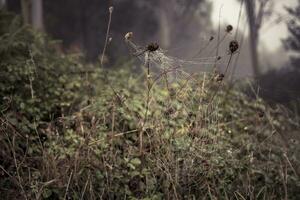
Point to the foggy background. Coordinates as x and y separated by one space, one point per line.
182 28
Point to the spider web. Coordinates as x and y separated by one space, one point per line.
171 68
181 71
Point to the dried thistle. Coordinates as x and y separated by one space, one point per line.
260 114
128 36
169 111
149 48
233 46
152 47
220 77
111 9
229 28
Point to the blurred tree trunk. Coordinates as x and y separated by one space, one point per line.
2 3
164 30
256 14
164 25
292 43
25 10
37 14
253 32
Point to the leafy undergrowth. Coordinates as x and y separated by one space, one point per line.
102 135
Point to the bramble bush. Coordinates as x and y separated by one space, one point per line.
72 135
36 80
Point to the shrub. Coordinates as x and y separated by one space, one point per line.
37 82
129 142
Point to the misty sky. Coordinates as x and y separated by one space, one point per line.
270 36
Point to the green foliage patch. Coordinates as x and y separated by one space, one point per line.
37 81
72 135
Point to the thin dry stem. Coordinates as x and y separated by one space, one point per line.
107 35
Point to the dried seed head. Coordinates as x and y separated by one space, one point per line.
152 47
191 115
172 92
169 111
233 46
229 28
128 35
260 114
111 9
220 77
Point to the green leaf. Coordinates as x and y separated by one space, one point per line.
47 193
136 161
